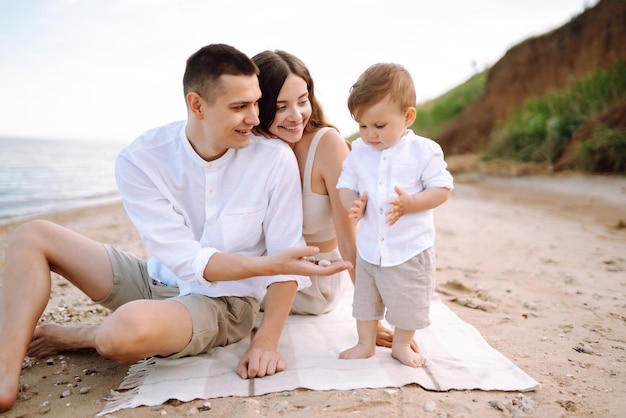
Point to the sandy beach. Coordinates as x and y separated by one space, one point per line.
536 263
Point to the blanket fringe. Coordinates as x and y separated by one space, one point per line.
129 388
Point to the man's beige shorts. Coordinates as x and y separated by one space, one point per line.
405 290
216 321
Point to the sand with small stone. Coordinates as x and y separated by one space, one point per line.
537 263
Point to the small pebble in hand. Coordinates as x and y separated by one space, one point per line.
323 263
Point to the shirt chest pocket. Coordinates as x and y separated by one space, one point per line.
406 177
242 229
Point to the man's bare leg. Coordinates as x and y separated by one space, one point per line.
34 250
50 339
402 351
144 328
366 346
126 336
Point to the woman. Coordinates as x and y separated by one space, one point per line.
289 110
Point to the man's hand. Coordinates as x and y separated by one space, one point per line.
258 362
293 261
262 358
358 208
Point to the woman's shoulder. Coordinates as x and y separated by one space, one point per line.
332 140
332 150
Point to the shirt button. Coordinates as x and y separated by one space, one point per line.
384 157
382 239
380 183
210 190
380 211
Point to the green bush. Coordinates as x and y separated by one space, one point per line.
605 151
541 129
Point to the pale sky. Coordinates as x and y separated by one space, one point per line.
111 69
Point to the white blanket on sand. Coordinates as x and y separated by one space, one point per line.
457 357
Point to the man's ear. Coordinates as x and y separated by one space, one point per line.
195 103
409 116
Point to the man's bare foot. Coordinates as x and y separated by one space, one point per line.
407 356
10 370
358 351
8 393
49 339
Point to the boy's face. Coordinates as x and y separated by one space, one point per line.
382 124
230 119
293 110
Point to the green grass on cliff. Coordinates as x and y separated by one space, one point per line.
434 115
542 128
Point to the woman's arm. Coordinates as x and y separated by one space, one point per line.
332 151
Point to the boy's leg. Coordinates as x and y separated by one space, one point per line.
34 250
368 309
366 346
402 351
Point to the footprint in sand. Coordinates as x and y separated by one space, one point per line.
462 295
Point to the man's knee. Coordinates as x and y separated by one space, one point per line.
30 234
120 334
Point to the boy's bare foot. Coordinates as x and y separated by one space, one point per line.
358 351
49 339
407 356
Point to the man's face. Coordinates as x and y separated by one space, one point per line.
230 119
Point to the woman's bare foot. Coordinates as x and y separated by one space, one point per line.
49 339
358 351
407 356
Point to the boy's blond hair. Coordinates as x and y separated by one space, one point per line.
378 82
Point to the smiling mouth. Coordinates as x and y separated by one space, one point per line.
291 128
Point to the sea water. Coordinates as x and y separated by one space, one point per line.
44 176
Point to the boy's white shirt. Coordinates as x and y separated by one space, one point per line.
413 164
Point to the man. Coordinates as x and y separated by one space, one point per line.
219 209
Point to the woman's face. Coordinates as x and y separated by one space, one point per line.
293 110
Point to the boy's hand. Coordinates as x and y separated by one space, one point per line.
358 208
399 206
